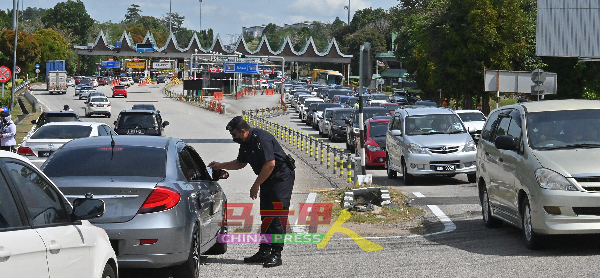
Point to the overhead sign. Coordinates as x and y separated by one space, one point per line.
144 47
213 69
109 64
240 68
4 74
118 45
136 65
159 65
268 71
17 69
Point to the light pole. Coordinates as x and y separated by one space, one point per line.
170 17
200 16
345 7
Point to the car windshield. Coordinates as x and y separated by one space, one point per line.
62 132
564 129
136 120
66 117
471 117
378 129
433 124
307 103
400 93
379 97
370 113
107 161
342 115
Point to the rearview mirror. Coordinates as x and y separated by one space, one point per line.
165 123
219 174
471 129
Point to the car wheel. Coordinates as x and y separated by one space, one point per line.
533 241
108 115
219 248
407 178
391 174
191 267
88 115
488 220
320 132
108 272
472 178
125 96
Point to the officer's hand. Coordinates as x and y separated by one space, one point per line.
214 165
254 191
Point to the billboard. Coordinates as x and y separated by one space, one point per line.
161 65
506 81
136 65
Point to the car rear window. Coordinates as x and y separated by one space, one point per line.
120 87
472 117
107 161
139 120
61 118
62 132
99 99
378 129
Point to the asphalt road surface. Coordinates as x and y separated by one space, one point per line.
455 243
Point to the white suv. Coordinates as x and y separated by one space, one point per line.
429 141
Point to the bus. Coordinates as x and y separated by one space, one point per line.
329 77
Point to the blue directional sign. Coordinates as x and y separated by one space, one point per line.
240 68
118 45
144 47
111 64
37 66
123 74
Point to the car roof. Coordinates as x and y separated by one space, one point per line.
139 111
121 140
426 110
468 111
75 123
559 105
379 119
343 109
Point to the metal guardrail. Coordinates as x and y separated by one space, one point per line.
203 102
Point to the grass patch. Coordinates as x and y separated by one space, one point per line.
388 215
25 125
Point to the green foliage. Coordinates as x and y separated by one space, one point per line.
27 46
52 47
5 19
133 14
72 17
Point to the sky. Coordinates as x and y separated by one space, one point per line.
225 17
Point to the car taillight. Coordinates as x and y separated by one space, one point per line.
91 104
161 198
108 105
26 151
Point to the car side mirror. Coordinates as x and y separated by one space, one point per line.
219 174
471 130
396 132
505 142
84 208
115 123
165 123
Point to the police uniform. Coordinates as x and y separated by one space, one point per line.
260 147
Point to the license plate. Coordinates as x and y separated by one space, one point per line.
445 167
100 105
135 131
44 153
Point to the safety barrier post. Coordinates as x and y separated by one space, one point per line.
296 139
316 149
350 168
335 150
321 146
301 142
307 146
311 146
328 159
342 163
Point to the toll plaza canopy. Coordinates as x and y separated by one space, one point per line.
308 53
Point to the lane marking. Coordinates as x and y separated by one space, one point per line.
418 194
302 229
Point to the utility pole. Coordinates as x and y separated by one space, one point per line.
14 75
170 17
200 16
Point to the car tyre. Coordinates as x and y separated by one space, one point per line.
407 178
533 241
486 211
88 115
191 267
108 272
472 178
108 115
391 174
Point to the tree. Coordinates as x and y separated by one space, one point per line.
5 19
205 37
27 49
356 40
71 16
133 14
176 21
337 23
52 46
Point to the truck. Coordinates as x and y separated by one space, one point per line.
56 76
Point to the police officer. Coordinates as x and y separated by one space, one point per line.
275 181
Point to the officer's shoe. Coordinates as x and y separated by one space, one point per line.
260 257
274 259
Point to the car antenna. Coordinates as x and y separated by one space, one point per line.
112 145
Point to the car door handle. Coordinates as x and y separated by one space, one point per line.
4 254
54 247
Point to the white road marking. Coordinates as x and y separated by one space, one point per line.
302 229
418 194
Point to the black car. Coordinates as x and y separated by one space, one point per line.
143 107
140 122
337 128
352 132
55 116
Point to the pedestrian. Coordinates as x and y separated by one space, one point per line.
445 103
275 181
67 108
9 130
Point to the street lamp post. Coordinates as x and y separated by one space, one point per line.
346 8
200 16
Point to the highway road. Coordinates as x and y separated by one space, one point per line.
455 242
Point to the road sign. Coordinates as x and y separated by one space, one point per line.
118 45
240 68
37 70
161 60
538 76
135 59
111 59
4 74
17 70
158 65
37 66
144 47
213 69
268 71
282 80
109 64
191 77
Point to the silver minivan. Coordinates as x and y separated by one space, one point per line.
537 168
428 141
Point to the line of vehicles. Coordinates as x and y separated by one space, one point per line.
106 198
532 162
